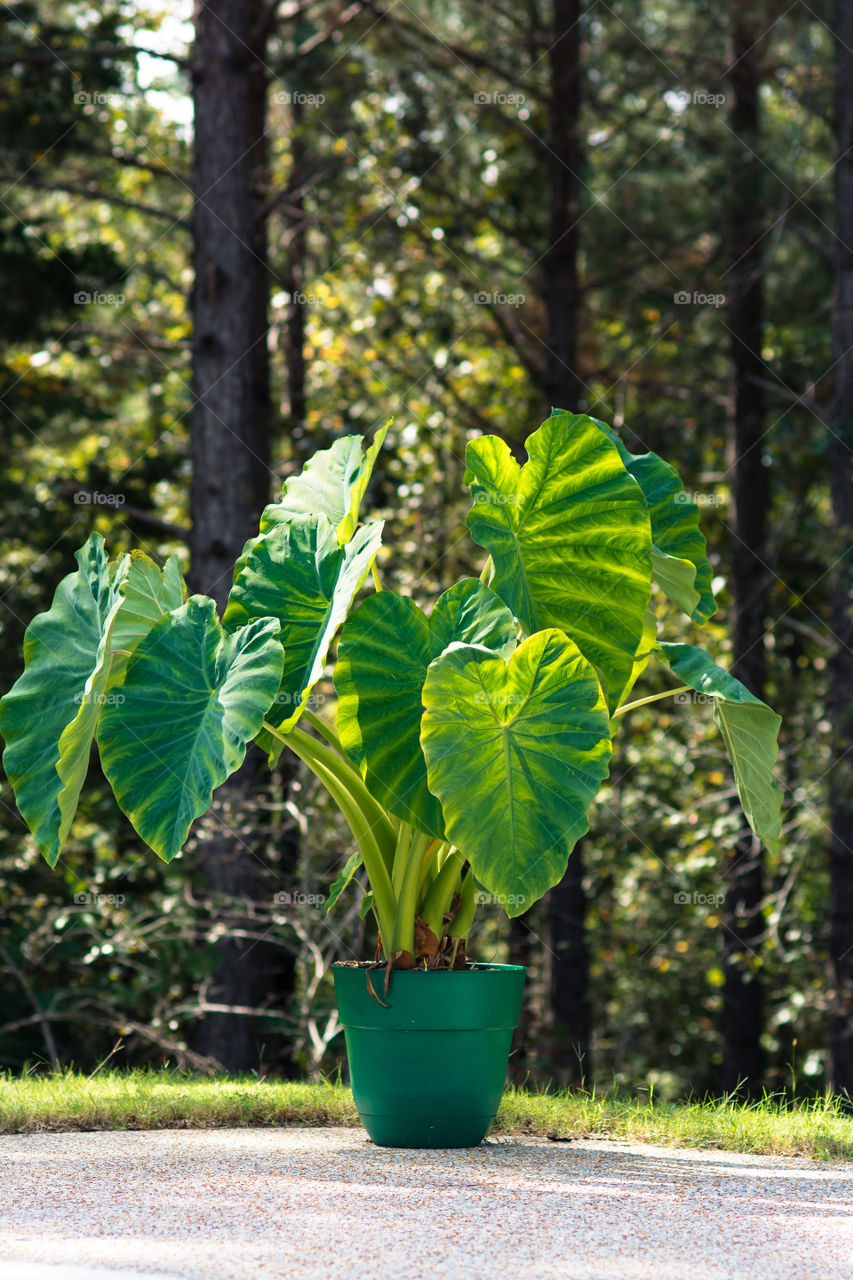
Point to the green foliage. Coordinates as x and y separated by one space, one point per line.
382 665
476 757
516 752
680 563
298 573
192 698
49 716
569 538
750 730
332 484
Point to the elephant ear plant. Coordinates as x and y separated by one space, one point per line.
469 742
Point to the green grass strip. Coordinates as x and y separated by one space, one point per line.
818 1128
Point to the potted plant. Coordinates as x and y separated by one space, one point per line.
468 745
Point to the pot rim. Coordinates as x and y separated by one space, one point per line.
477 967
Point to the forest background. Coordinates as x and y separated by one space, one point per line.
230 235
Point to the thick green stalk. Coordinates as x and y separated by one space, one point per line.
407 902
431 864
304 746
401 858
464 918
324 729
352 780
440 897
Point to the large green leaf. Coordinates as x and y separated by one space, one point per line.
48 717
331 483
149 592
750 729
193 697
570 539
385 650
516 753
299 574
680 563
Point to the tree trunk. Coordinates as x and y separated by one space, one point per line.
563 160
294 279
566 903
569 976
230 429
742 995
841 663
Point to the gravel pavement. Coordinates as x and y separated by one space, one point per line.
307 1204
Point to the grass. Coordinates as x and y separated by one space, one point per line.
170 1100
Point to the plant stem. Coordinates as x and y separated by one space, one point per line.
438 900
314 756
431 864
464 918
325 730
351 780
653 697
407 901
401 856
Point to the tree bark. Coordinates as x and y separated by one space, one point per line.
840 456
294 280
569 975
230 428
563 160
744 874
569 1015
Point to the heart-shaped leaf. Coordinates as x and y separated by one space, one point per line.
570 539
750 731
299 574
193 697
385 650
49 716
516 753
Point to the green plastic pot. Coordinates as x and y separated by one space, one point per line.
429 1070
